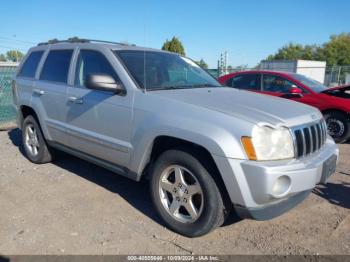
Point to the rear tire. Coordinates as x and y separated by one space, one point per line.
338 126
35 146
185 195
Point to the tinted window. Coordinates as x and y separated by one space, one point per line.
277 84
30 65
247 81
56 66
92 62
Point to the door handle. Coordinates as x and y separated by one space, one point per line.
38 92
75 100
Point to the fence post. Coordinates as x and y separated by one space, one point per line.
338 78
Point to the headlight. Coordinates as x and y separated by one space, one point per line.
269 143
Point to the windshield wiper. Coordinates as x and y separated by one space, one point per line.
165 88
181 87
203 85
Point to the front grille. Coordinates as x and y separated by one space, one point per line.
309 138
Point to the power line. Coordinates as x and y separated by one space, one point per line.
17 40
8 42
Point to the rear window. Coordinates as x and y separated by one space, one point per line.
56 66
31 64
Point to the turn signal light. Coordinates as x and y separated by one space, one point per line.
248 147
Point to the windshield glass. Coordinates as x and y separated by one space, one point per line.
312 84
159 71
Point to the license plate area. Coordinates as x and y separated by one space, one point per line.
328 168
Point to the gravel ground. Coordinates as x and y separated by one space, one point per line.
74 207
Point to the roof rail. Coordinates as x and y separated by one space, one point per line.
80 40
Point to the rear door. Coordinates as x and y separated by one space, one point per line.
98 122
25 79
50 92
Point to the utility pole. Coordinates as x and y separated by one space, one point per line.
222 64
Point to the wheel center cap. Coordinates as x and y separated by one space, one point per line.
182 190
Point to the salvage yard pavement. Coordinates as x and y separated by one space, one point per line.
73 207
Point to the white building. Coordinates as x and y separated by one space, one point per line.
313 69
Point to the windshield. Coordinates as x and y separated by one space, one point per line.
159 70
310 83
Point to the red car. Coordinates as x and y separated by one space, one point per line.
334 103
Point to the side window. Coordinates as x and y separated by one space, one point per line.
276 84
92 62
247 81
56 66
31 64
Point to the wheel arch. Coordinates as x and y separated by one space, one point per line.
164 143
26 111
331 110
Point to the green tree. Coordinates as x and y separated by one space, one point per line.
14 55
295 52
2 58
174 45
202 64
337 50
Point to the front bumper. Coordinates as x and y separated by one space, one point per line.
265 189
273 210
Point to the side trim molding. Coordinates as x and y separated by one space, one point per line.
97 161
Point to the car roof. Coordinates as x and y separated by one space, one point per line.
92 44
265 71
280 73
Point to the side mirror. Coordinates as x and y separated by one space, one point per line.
103 82
295 90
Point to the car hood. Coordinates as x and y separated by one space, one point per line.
340 88
246 105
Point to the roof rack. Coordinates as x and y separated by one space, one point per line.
80 40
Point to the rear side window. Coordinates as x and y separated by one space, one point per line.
56 66
92 62
31 64
247 81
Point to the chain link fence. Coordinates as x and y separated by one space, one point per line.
7 109
337 75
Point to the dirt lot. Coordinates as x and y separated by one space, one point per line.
74 207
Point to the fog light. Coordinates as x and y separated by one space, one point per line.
281 186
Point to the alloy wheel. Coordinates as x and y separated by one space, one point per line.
31 140
335 127
181 194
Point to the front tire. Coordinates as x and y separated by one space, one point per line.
37 151
338 126
185 195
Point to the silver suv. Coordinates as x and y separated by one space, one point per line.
207 150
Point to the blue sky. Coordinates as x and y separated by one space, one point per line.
249 30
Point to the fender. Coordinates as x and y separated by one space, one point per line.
215 139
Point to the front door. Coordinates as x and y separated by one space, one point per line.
98 122
280 86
